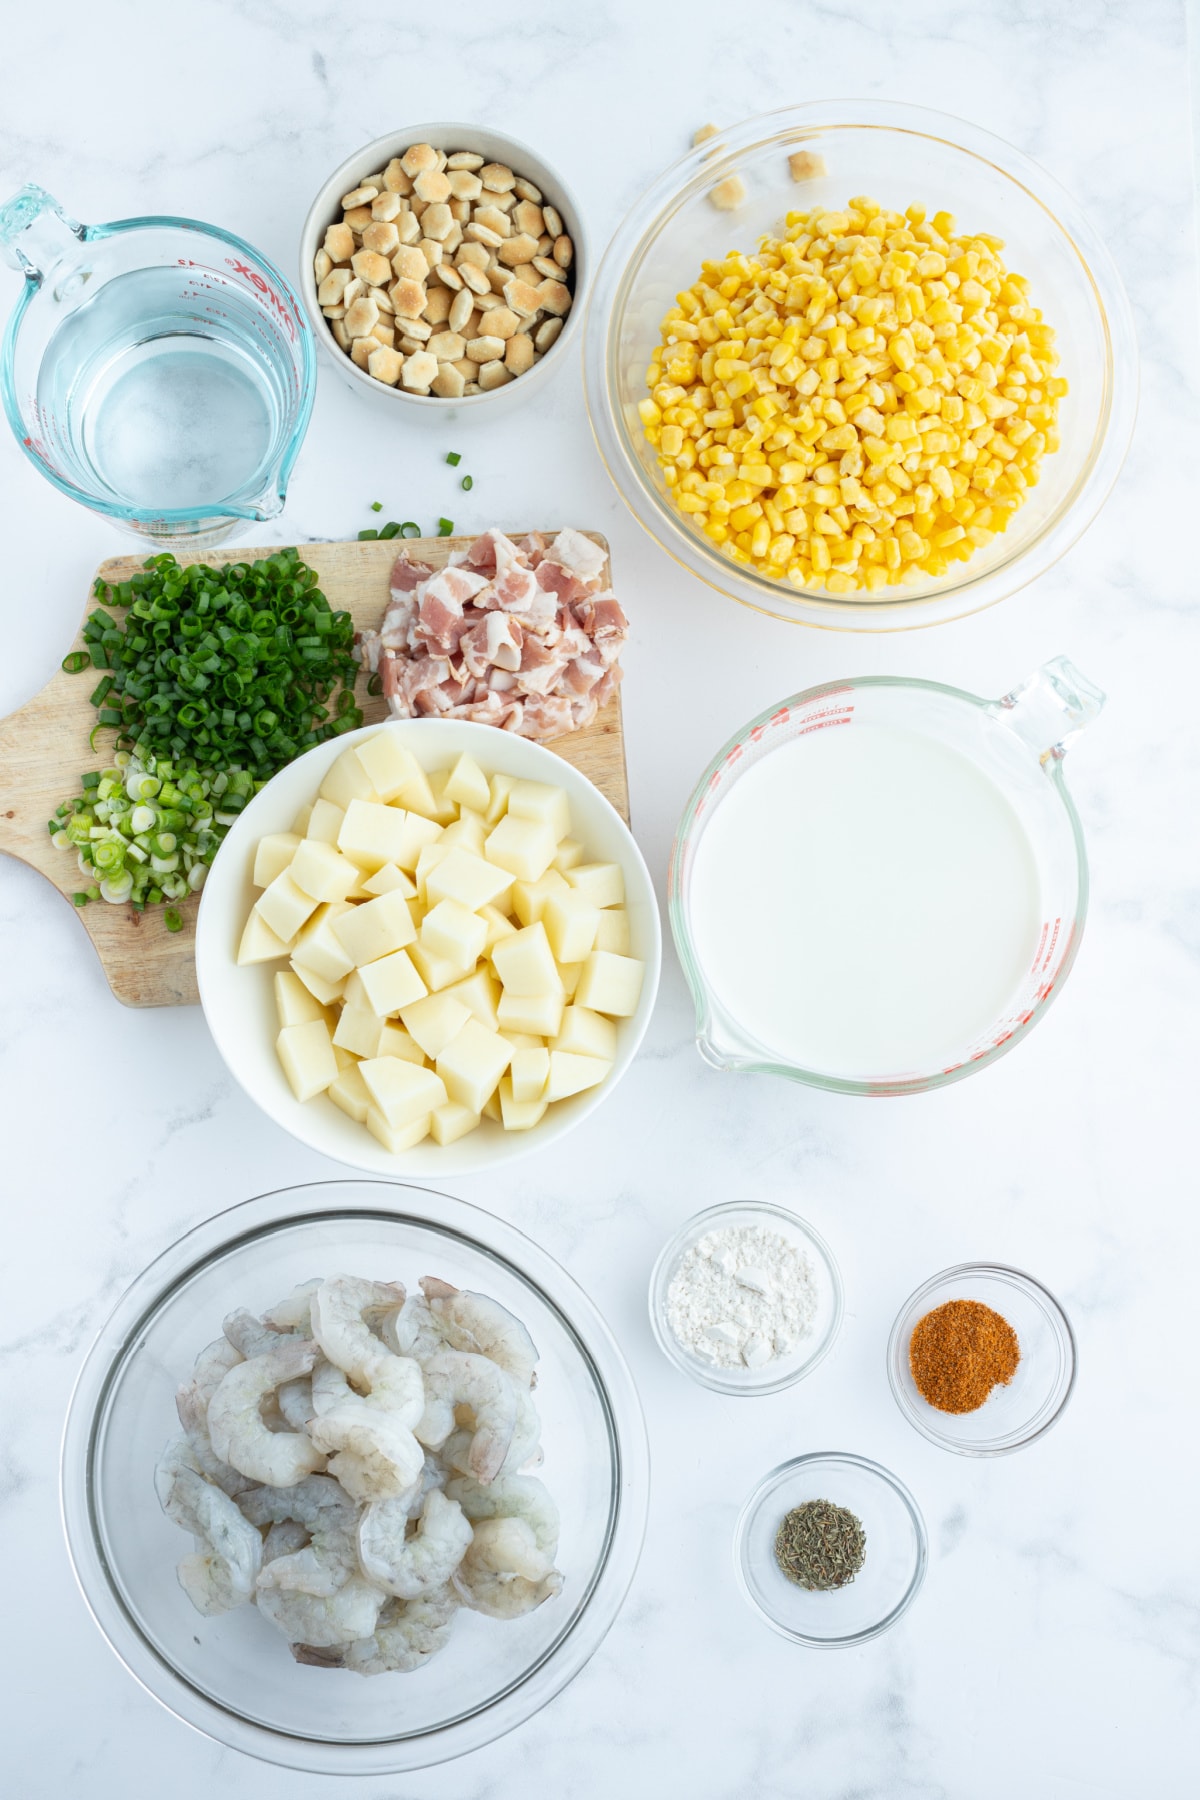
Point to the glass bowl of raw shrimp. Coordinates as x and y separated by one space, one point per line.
232 1676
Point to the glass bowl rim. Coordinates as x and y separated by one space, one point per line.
1057 1316
877 1472
836 1084
717 1380
109 1351
958 598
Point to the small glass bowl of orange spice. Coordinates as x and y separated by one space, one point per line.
981 1359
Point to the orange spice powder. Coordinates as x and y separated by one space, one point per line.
959 1352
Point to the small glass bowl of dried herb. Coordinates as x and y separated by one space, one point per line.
981 1359
830 1549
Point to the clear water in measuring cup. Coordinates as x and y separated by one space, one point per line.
164 400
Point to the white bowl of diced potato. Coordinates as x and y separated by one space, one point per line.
498 149
428 947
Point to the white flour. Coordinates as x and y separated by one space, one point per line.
741 1297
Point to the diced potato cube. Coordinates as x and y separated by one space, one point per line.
522 846
498 924
445 809
294 1005
469 880
529 897
480 994
525 962
306 1053
324 991
539 801
530 1073
396 1138
539 1014
568 974
401 1091
612 931
347 780
571 923
569 855
437 972
499 788
345 1059
434 1022
395 1041
418 796
452 1121
388 763
519 1115
525 1040
610 983
491 1107
468 785
349 1092
259 943
390 880
432 855
451 930
321 951
373 834
301 821
274 853
468 830
370 931
472 1064
324 821
586 1033
571 1074
284 907
601 883
391 983
359 1030
353 991
318 869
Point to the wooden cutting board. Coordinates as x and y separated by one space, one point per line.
44 751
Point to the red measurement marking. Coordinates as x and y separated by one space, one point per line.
281 307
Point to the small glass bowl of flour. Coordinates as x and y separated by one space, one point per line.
746 1298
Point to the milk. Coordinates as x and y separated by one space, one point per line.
864 902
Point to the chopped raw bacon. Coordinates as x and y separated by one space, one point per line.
515 635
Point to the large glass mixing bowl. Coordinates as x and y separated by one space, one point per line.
232 1677
899 155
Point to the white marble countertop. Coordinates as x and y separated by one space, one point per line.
1055 1649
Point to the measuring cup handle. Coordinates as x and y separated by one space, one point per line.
35 232
1051 707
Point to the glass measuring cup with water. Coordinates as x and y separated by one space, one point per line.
157 370
880 885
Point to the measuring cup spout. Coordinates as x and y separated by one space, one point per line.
36 235
1051 707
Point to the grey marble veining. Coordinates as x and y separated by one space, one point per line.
1054 1653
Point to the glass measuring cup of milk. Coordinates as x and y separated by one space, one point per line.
157 370
879 885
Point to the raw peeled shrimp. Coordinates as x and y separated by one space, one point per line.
236 1427
475 1322
327 1516
343 1311
374 1454
407 1634
294 1312
249 1335
410 1566
524 1447
221 1575
284 1538
460 1378
504 1573
323 1620
191 1403
413 1331
510 1497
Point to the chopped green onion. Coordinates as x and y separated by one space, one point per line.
453 458
80 899
410 529
390 530
75 661
91 780
377 506
375 685
467 483
172 919
445 528
368 535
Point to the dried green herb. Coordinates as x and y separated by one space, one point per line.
820 1546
